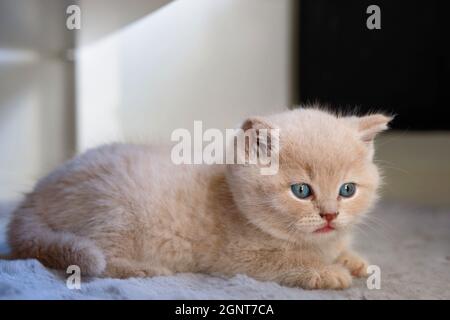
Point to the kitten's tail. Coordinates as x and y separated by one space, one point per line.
29 237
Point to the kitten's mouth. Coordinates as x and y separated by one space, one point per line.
327 228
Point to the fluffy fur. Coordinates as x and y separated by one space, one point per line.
126 211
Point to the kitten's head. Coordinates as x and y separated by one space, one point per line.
326 179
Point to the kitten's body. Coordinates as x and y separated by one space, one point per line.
126 210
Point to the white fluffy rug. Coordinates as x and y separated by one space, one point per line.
411 245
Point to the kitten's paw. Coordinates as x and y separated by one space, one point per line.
124 273
120 268
354 263
329 277
147 272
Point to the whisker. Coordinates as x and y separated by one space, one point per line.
380 222
378 231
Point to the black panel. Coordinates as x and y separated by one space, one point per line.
403 68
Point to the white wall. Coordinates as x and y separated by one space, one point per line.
217 61
35 93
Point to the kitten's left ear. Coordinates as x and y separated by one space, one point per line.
264 138
369 126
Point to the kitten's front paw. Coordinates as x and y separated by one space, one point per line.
330 277
354 263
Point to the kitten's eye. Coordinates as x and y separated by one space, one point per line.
301 190
347 190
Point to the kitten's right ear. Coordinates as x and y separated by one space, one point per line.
369 126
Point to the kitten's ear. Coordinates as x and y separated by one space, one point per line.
255 123
369 126
263 136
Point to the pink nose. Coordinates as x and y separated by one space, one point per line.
329 216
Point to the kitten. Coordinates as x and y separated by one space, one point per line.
125 210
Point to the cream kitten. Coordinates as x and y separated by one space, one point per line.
127 211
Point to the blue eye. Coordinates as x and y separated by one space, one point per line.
301 190
347 190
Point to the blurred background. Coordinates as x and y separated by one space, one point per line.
138 69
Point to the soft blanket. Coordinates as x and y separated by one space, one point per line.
410 244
